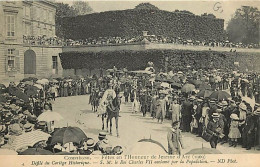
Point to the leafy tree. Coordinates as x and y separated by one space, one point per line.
146 6
82 7
244 26
210 15
65 10
186 12
62 10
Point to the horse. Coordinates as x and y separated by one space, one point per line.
113 109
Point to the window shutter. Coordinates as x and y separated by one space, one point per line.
17 63
6 60
17 60
6 63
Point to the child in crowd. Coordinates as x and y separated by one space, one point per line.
234 132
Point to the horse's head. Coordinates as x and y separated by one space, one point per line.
117 101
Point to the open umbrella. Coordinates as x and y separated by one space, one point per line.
197 83
40 82
188 88
176 85
28 82
38 86
49 116
68 134
7 152
204 150
18 93
45 80
204 93
2 89
29 139
2 86
170 81
30 79
204 86
165 85
53 80
31 90
148 147
220 95
3 99
36 151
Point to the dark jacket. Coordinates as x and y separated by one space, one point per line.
186 108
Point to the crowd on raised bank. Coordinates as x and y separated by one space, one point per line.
54 41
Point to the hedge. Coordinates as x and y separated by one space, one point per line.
131 23
178 59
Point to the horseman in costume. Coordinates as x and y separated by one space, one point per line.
102 109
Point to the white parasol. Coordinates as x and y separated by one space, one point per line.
29 139
49 116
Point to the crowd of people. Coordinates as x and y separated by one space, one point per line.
26 110
217 105
54 41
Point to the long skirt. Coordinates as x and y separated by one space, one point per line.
234 133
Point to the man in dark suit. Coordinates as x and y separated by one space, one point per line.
186 115
248 133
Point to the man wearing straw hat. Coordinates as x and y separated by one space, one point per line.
214 128
174 138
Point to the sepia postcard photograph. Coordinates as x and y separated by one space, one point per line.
142 83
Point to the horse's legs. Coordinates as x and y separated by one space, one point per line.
107 122
111 125
102 121
116 118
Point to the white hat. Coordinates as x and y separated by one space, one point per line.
215 115
242 106
234 116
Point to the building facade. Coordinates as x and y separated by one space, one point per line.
22 23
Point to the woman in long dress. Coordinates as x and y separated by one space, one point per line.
161 107
175 109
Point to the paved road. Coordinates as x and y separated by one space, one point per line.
132 127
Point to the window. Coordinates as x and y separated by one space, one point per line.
50 17
10 25
10 59
38 13
44 14
55 64
27 11
13 2
27 29
40 31
47 16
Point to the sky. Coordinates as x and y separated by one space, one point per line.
224 9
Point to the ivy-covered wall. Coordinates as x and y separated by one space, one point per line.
177 59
